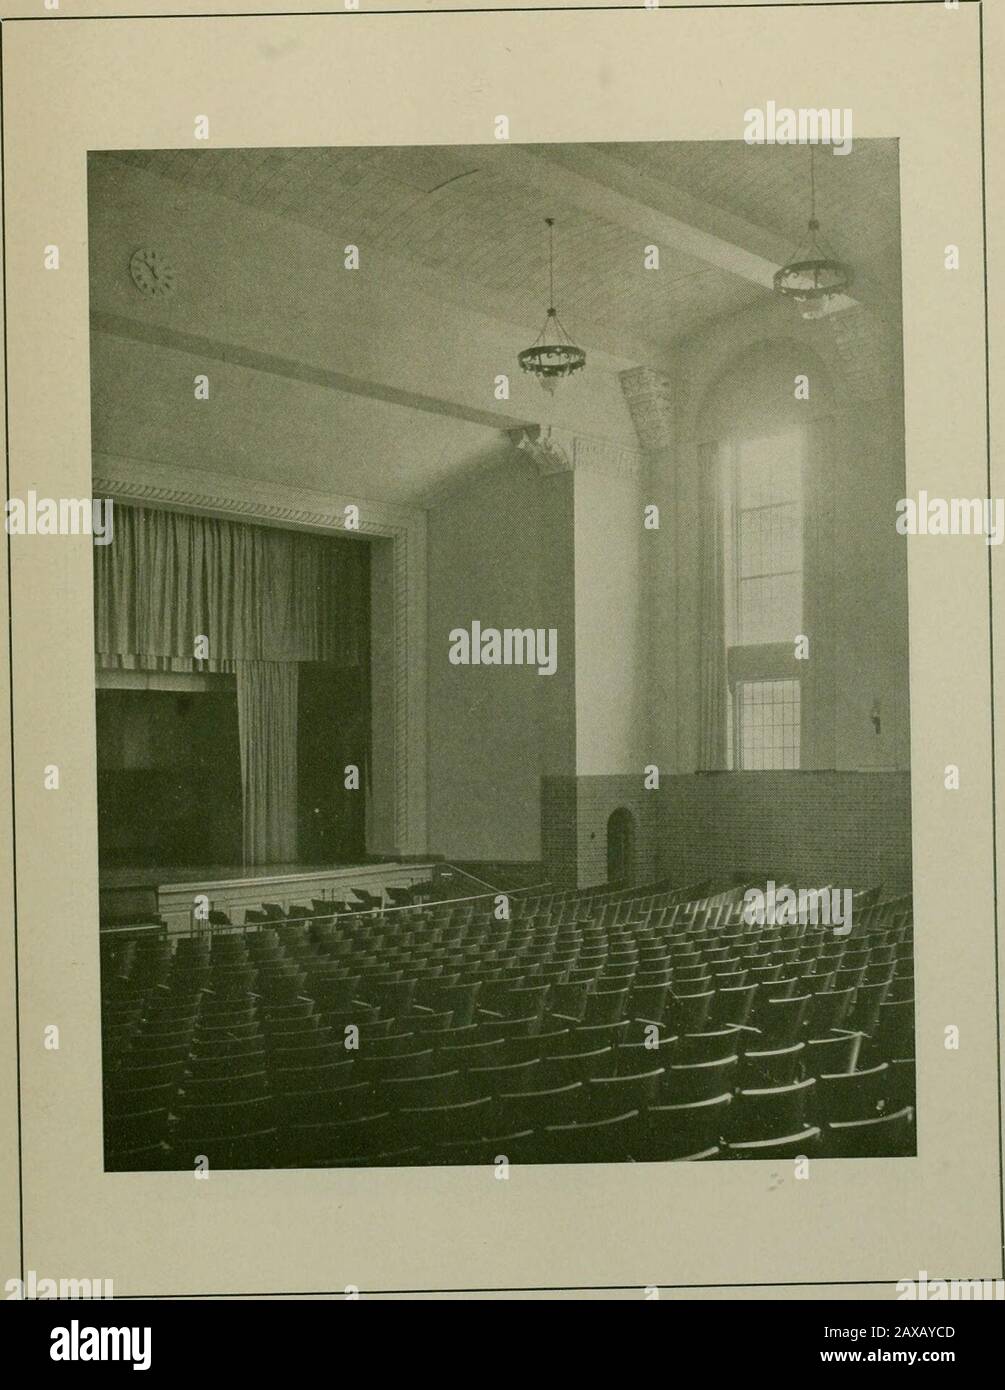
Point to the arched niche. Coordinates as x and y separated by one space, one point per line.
621 846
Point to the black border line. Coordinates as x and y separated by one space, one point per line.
668 5
340 1294
991 621
10 669
533 9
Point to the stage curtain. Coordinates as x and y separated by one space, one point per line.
816 693
267 725
256 593
265 599
711 613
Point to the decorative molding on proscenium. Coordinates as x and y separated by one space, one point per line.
604 456
124 490
561 451
200 490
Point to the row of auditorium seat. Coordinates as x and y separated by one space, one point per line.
566 1036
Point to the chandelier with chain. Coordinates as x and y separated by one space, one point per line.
813 278
553 356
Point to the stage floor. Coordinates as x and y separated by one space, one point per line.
234 890
154 876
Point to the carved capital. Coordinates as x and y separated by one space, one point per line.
649 396
551 450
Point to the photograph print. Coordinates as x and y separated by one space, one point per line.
501 653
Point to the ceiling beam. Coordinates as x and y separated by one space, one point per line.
197 344
603 185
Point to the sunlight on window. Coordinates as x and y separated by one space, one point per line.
769 548
767 716
764 599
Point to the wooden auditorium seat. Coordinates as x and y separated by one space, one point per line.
593 1026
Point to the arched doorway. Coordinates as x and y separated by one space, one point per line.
621 846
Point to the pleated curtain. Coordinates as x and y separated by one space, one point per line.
264 600
267 728
255 593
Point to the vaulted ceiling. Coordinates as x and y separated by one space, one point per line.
476 213
461 227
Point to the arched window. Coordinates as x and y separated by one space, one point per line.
766 560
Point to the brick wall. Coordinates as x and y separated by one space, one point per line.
596 798
558 830
574 815
849 828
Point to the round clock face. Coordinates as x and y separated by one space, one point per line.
151 273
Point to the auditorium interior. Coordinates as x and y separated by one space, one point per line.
378 885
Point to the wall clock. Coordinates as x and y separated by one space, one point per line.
151 273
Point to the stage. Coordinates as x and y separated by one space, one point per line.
170 892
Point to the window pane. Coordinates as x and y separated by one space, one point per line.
770 540
770 609
754 475
770 470
768 724
767 567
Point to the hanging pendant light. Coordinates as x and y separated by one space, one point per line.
813 279
554 355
